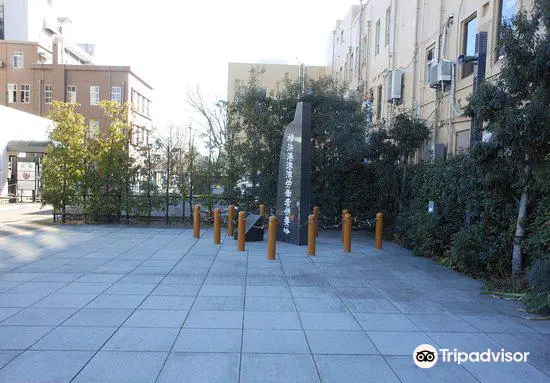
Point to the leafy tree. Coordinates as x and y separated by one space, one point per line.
115 171
516 106
63 168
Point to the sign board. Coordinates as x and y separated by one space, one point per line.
294 184
26 176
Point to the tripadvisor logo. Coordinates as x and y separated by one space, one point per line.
426 356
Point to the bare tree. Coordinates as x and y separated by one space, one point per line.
221 137
170 144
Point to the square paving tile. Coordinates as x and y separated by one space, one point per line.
39 317
208 340
265 304
275 341
7 356
156 318
385 322
214 319
354 369
328 321
75 338
442 322
225 303
200 367
268 291
21 337
496 323
272 320
115 301
506 372
60 300
408 372
340 342
469 342
142 339
156 302
98 317
278 368
122 366
222 290
398 343
45 366
311 304
173 289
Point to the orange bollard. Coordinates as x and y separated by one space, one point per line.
241 232
311 235
317 215
378 231
217 228
344 212
262 210
272 238
347 237
197 221
230 217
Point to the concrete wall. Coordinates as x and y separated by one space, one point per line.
271 78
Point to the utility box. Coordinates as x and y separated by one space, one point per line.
439 73
395 85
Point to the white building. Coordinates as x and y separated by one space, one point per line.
39 21
23 139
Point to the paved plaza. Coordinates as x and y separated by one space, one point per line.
119 304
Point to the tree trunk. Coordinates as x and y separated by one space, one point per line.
517 257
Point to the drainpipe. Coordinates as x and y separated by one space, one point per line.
415 60
360 40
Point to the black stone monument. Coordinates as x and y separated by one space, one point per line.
294 185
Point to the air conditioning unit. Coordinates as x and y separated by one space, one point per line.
395 85
439 73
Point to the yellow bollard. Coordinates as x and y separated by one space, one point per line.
378 231
217 229
317 215
197 221
241 232
262 211
272 238
347 238
347 234
344 212
230 217
311 235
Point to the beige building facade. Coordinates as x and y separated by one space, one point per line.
272 76
405 55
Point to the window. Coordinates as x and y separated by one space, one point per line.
506 13
94 95
93 128
379 103
377 44
469 44
18 60
388 26
430 58
71 93
462 141
12 93
48 93
25 93
116 94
